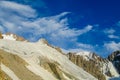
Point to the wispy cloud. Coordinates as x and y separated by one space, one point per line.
22 19
118 24
109 31
12 15
23 10
113 36
80 47
87 46
112 46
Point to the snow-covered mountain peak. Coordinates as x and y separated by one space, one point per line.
83 53
43 41
87 55
9 37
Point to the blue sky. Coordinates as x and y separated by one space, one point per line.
81 25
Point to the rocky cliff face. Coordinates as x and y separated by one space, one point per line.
97 66
115 59
91 65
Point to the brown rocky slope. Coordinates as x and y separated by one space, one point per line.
97 66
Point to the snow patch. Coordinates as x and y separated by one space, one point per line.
67 78
109 66
36 69
9 37
113 70
83 53
9 72
87 55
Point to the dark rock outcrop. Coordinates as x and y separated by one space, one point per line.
1 35
115 59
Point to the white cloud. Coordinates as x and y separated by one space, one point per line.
112 46
118 24
81 47
57 17
85 45
53 25
23 10
113 36
109 31
21 19
12 15
86 29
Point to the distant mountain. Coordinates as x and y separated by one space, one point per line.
115 59
101 68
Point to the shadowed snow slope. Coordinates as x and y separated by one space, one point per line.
33 53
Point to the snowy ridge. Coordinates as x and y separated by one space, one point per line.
9 37
83 53
103 65
87 55
113 70
30 52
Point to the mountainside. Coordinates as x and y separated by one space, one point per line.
21 60
101 68
115 59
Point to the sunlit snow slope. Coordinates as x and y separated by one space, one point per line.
45 61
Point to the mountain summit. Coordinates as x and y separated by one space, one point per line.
11 36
